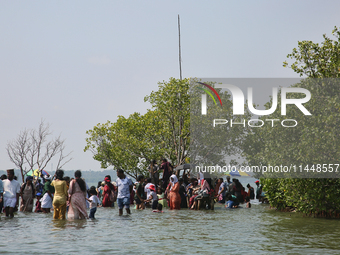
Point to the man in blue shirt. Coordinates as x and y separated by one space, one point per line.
124 185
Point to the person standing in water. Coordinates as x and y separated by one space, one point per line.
174 197
11 192
27 193
46 200
139 192
258 190
60 196
94 202
124 185
221 191
77 196
167 171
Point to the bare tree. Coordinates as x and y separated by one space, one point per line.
33 149
63 159
17 150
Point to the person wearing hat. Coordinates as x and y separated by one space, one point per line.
11 192
258 190
153 196
38 203
147 183
27 193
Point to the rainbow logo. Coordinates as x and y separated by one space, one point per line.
209 93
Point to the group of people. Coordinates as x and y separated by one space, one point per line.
232 193
187 192
62 194
65 195
148 194
73 197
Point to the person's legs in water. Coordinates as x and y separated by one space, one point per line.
11 212
7 211
126 202
92 212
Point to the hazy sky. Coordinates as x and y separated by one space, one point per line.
79 63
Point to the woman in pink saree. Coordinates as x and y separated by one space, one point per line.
77 194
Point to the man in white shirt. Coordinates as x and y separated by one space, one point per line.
11 193
124 185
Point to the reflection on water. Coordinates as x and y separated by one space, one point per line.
257 230
298 233
62 224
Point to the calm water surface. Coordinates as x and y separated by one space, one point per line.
257 230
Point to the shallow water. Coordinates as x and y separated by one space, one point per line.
257 230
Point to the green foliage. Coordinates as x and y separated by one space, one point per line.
172 101
129 143
315 140
210 145
319 197
132 143
317 61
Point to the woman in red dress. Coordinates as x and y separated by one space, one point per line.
174 196
107 198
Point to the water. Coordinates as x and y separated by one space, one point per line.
258 230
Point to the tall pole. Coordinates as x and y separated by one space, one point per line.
179 48
179 152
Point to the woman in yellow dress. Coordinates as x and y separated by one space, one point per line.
60 196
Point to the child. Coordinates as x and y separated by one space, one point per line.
94 202
248 205
230 203
38 203
153 196
161 198
159 209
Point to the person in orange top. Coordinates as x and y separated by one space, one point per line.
175 198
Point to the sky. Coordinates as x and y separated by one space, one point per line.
75 64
